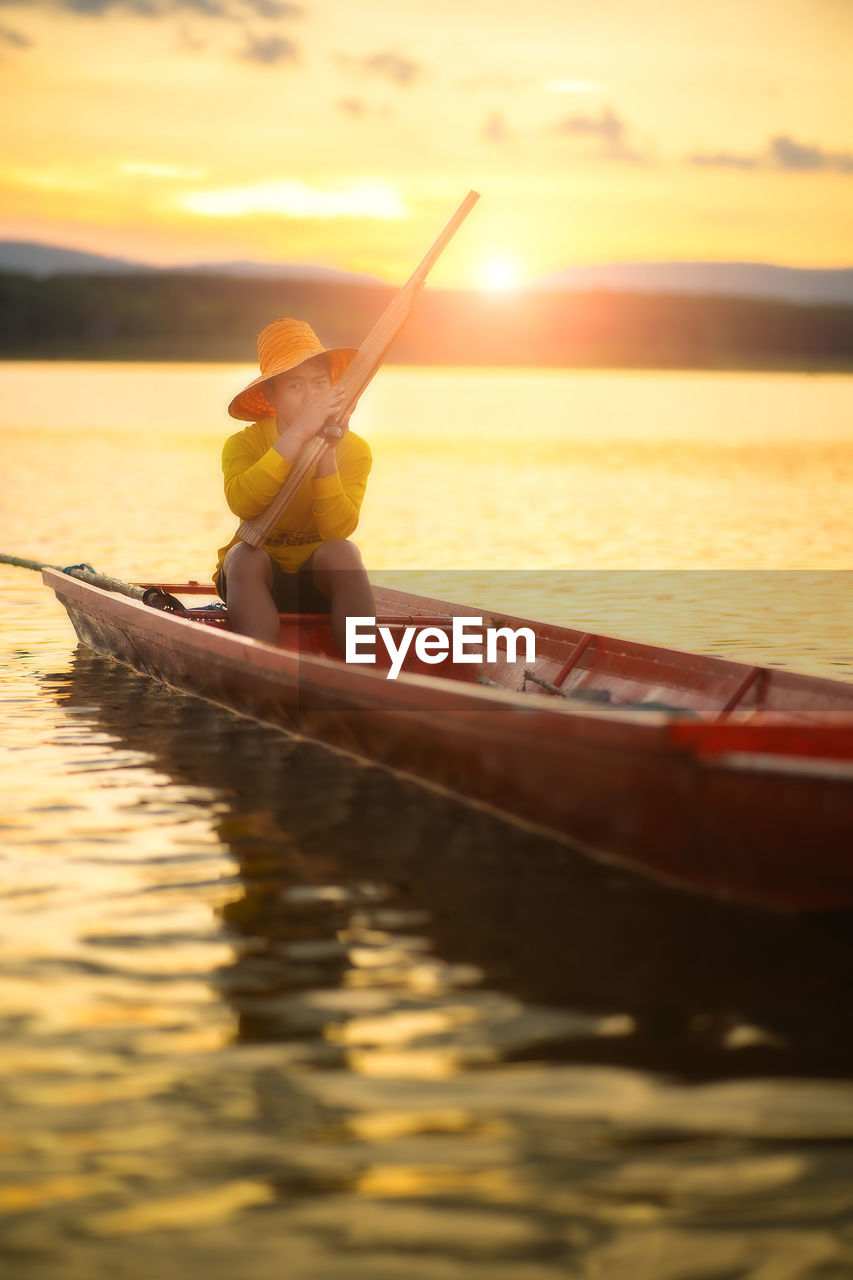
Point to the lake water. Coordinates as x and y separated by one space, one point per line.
267 1012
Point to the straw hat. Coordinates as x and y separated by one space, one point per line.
283 345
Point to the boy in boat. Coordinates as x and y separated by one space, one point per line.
307 564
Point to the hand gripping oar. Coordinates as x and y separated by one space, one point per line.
354 380
154 596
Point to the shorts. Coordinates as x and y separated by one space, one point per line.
292 592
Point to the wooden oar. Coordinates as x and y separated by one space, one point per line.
355 379
154 596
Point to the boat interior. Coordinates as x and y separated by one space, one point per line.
571 664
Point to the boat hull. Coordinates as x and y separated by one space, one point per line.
761 811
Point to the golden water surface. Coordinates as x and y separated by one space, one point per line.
267 1012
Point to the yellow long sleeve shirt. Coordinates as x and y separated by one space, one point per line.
323 507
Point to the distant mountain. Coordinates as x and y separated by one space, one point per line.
731 279
44 260
305 271
727 279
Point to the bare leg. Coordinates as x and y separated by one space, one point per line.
341 577
251 608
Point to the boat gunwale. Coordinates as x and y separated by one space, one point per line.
262 654
263 657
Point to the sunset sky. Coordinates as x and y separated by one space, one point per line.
344 134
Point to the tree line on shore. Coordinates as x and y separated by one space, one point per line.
200 317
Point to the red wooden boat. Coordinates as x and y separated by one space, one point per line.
711 773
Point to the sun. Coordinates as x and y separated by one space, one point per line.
499 275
